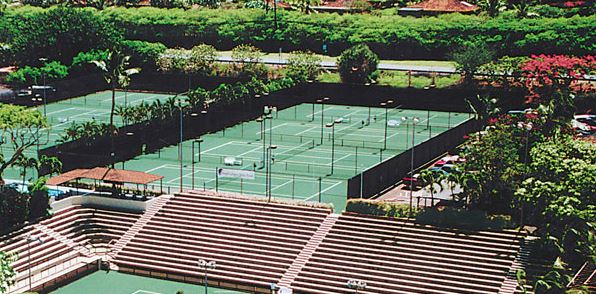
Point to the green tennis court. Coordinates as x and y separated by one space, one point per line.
61 114
312 159
92 107
102 282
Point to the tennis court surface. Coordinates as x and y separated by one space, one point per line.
62 114
102 282
316 150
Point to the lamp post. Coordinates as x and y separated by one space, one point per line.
29 240
43 60
414 121
197 141
206 266
332 126
356 285
268 171
386 105
180 145
322 101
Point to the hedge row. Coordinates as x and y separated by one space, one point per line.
392 37
62 32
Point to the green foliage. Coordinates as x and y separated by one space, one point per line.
259 4
41 3
58 33
208 3
7 273
171 3
247 61
498 71
22 129
303 66
492 7
465 219
471 57
90 130
116 72
378 208
357 64
14 208
390 36
24 76
559 192
143 54
81 63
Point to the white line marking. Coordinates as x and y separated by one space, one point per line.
324 190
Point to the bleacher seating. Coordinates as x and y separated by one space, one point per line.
76 227
252 242
397 256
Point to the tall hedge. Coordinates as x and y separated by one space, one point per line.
58 33
392 37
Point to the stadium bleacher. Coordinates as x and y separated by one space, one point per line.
256 244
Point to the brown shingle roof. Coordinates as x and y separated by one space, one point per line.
107 175
445 6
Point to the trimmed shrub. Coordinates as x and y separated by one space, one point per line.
378 208
143 54
357 64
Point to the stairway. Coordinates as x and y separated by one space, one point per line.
138 225
64 240
310 247
520 262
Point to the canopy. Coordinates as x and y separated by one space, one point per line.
107 175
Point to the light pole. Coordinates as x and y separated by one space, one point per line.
414 121
43 60
268 171
29 240
386 105
332 126
356 284
197 141
180 145
322 101
206 266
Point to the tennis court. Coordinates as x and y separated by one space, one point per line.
92 107
311 159
102 282
61 114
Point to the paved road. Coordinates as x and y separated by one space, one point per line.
381 66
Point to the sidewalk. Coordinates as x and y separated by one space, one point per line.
330 62
401 194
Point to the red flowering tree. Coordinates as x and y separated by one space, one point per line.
553 81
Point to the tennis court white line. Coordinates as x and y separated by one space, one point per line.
307 130
269 129
76 115
418 124
279 186
219 146
322 191
61 110
144 292
156 168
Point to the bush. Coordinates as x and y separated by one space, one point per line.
357 64
471 57
377 208
303 66
82 62
143 54
33 75
390 36
58 33
464 219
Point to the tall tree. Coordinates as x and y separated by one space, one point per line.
117 73
21 128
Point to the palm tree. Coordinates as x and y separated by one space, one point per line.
116 73
431 177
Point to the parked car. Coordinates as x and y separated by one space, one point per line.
414 180
449 159
585 122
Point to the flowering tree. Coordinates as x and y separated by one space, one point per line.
553 82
